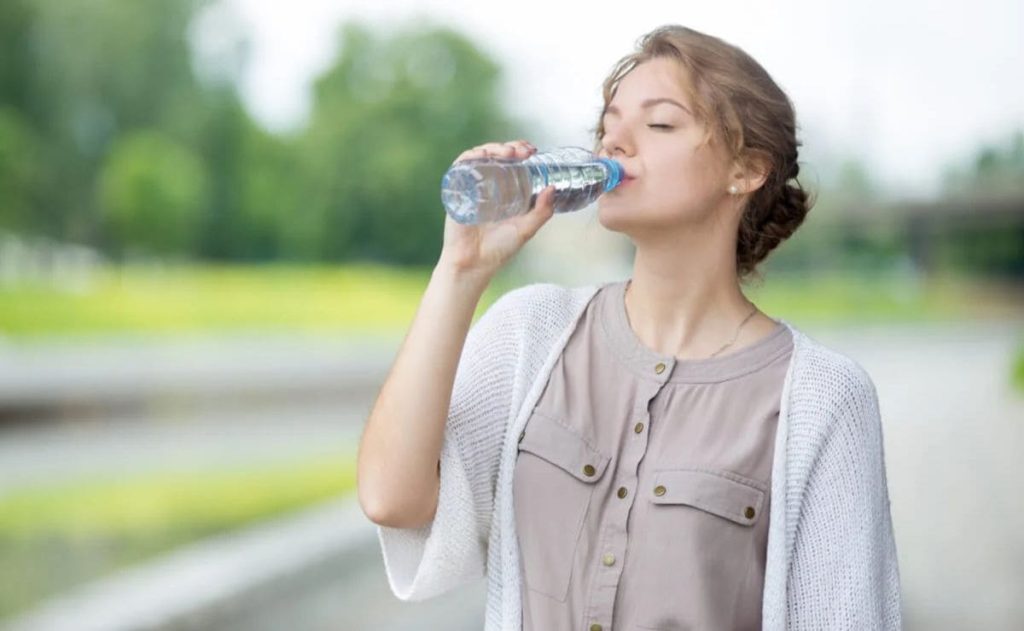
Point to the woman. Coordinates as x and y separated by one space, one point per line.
655 453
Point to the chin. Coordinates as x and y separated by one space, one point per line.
646 224
614 216
617 216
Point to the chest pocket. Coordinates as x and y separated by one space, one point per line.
556 471
702 530
727 495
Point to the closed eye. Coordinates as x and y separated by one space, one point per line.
653 126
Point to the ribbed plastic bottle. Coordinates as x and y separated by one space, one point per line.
491 189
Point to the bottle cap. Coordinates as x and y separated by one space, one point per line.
616 173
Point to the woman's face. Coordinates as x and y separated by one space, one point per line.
677 180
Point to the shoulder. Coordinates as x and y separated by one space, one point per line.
831 395
834 416
547 304
828 371
543 296
526 320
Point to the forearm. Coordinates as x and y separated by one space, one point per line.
398 455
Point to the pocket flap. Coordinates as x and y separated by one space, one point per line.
547 438
721 493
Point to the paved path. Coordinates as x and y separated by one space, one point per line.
45 376
315 569
196 437
352 594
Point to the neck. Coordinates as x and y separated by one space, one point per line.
689 315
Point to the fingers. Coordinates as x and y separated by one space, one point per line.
543 209
520 149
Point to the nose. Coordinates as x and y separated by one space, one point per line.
613 142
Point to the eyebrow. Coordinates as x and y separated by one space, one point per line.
611 109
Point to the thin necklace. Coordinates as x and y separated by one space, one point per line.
750 315
737 333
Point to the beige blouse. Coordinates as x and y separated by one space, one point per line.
641 486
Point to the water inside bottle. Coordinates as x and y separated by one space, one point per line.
481 189
492 189
577 186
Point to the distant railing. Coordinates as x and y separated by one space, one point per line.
43 261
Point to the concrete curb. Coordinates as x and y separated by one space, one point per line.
201 578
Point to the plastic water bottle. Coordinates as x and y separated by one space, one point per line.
491 189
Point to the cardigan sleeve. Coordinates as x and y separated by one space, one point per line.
844 572
452 550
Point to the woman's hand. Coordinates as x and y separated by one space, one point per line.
481 249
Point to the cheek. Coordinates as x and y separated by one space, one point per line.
684 179
707 168
690 164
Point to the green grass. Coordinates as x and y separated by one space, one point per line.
373 298
52 538
843 298
187 299
1017 370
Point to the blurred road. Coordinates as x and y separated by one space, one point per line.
41 378
129 406
954 431
181 438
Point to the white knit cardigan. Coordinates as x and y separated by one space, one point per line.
831 557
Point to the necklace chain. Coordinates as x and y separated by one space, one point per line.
750 315
734 337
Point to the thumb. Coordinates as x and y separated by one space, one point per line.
543 209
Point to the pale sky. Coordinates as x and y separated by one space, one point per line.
906 85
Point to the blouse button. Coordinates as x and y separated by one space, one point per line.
660 368
639 428
749 513
608 560
595 627
659 490
622 492
588 470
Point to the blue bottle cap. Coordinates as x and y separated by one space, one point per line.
615 173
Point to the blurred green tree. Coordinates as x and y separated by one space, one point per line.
20 172
389 118
153 190
993 170
80 74
110 113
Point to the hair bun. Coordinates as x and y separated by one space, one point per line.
777 219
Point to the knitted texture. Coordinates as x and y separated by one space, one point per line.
831 557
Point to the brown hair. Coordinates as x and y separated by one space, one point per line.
739 104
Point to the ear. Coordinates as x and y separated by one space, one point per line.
750 174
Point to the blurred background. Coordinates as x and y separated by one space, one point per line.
217 219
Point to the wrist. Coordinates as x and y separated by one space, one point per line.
462 277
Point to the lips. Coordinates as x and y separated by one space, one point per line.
627 176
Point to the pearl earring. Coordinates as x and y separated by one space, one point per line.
733 189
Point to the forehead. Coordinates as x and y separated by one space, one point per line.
658 77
